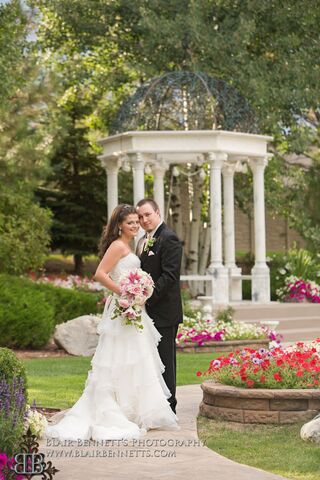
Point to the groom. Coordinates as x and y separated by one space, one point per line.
160 253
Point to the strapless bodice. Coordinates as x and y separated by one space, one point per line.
125 264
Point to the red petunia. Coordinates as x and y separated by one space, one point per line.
277 377
250 383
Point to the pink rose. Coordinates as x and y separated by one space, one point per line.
136 290
124 303
131 313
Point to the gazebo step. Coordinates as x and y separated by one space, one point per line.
275 310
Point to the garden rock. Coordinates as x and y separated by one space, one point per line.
78 336
311 430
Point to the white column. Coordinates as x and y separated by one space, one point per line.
219 272
235 283
159 170
260 271
137 162
111 166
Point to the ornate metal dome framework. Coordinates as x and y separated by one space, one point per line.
185 117
185 101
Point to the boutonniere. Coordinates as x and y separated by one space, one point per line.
149 244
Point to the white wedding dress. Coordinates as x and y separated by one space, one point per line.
125 393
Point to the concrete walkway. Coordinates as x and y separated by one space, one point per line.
168 455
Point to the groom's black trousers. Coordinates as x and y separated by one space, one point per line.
167 352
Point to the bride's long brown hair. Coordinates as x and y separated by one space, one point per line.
111 230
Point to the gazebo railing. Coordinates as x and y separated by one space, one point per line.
208 278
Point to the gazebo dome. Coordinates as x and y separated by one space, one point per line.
185 101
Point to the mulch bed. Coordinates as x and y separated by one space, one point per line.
48 412
57 353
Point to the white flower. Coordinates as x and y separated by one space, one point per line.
36 421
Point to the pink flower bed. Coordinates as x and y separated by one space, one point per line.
298 290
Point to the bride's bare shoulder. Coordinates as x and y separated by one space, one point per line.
117 248
114 253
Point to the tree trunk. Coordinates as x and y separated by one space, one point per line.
205 251
176 209
185 218
193 256
78 264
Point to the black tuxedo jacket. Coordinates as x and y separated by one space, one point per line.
163 262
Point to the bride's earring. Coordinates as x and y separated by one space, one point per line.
120 231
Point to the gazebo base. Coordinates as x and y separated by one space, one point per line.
266 406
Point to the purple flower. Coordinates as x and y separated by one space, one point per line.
272 335
257 361
12 400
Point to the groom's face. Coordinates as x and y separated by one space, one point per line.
148 217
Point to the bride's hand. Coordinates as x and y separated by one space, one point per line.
117 290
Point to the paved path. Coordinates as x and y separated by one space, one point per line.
160 455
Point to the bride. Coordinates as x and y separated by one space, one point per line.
125 394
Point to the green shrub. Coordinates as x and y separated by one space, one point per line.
297 262
26 317
24 232
246 289
69 303
10 366
225 315
188 310
13 393
29 311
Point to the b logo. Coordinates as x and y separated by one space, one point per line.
29 463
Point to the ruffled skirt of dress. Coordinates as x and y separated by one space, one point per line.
125 393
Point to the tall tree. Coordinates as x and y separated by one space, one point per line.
75 188
13 34
269 50
91 79
24 226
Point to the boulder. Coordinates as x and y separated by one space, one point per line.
311 430
78 336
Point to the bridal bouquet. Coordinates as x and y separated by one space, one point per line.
136 287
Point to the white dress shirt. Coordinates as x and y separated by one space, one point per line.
151 234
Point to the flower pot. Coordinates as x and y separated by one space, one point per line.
259 405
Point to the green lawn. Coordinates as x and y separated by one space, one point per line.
277 449
58 382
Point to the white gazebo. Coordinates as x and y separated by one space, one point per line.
224 151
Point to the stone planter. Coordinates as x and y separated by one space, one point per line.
259 405
222 346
